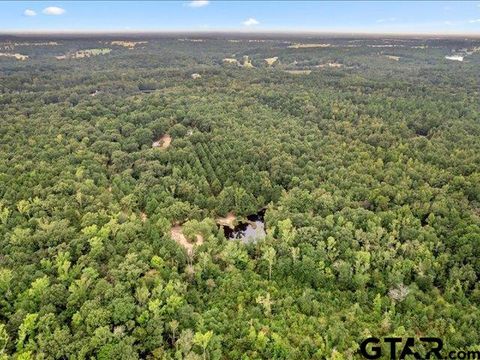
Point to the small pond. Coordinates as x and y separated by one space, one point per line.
249 231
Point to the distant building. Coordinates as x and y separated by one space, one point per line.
454 57
196 76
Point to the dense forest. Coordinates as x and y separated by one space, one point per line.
123 160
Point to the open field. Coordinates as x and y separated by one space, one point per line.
16 56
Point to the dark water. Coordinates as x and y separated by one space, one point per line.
250 231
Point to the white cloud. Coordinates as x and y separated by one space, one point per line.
29 12
53 10
251 22
448 22
474 21
198 3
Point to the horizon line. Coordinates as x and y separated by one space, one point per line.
235 32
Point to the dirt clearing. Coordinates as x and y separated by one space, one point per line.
16 56
308 46
80 54
163 142
391 57
271 61
332 65
228 220
128 44
231 61
298 72
177 235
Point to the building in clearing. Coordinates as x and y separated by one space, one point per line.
196 76
454 57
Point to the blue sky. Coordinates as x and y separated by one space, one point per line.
434 17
